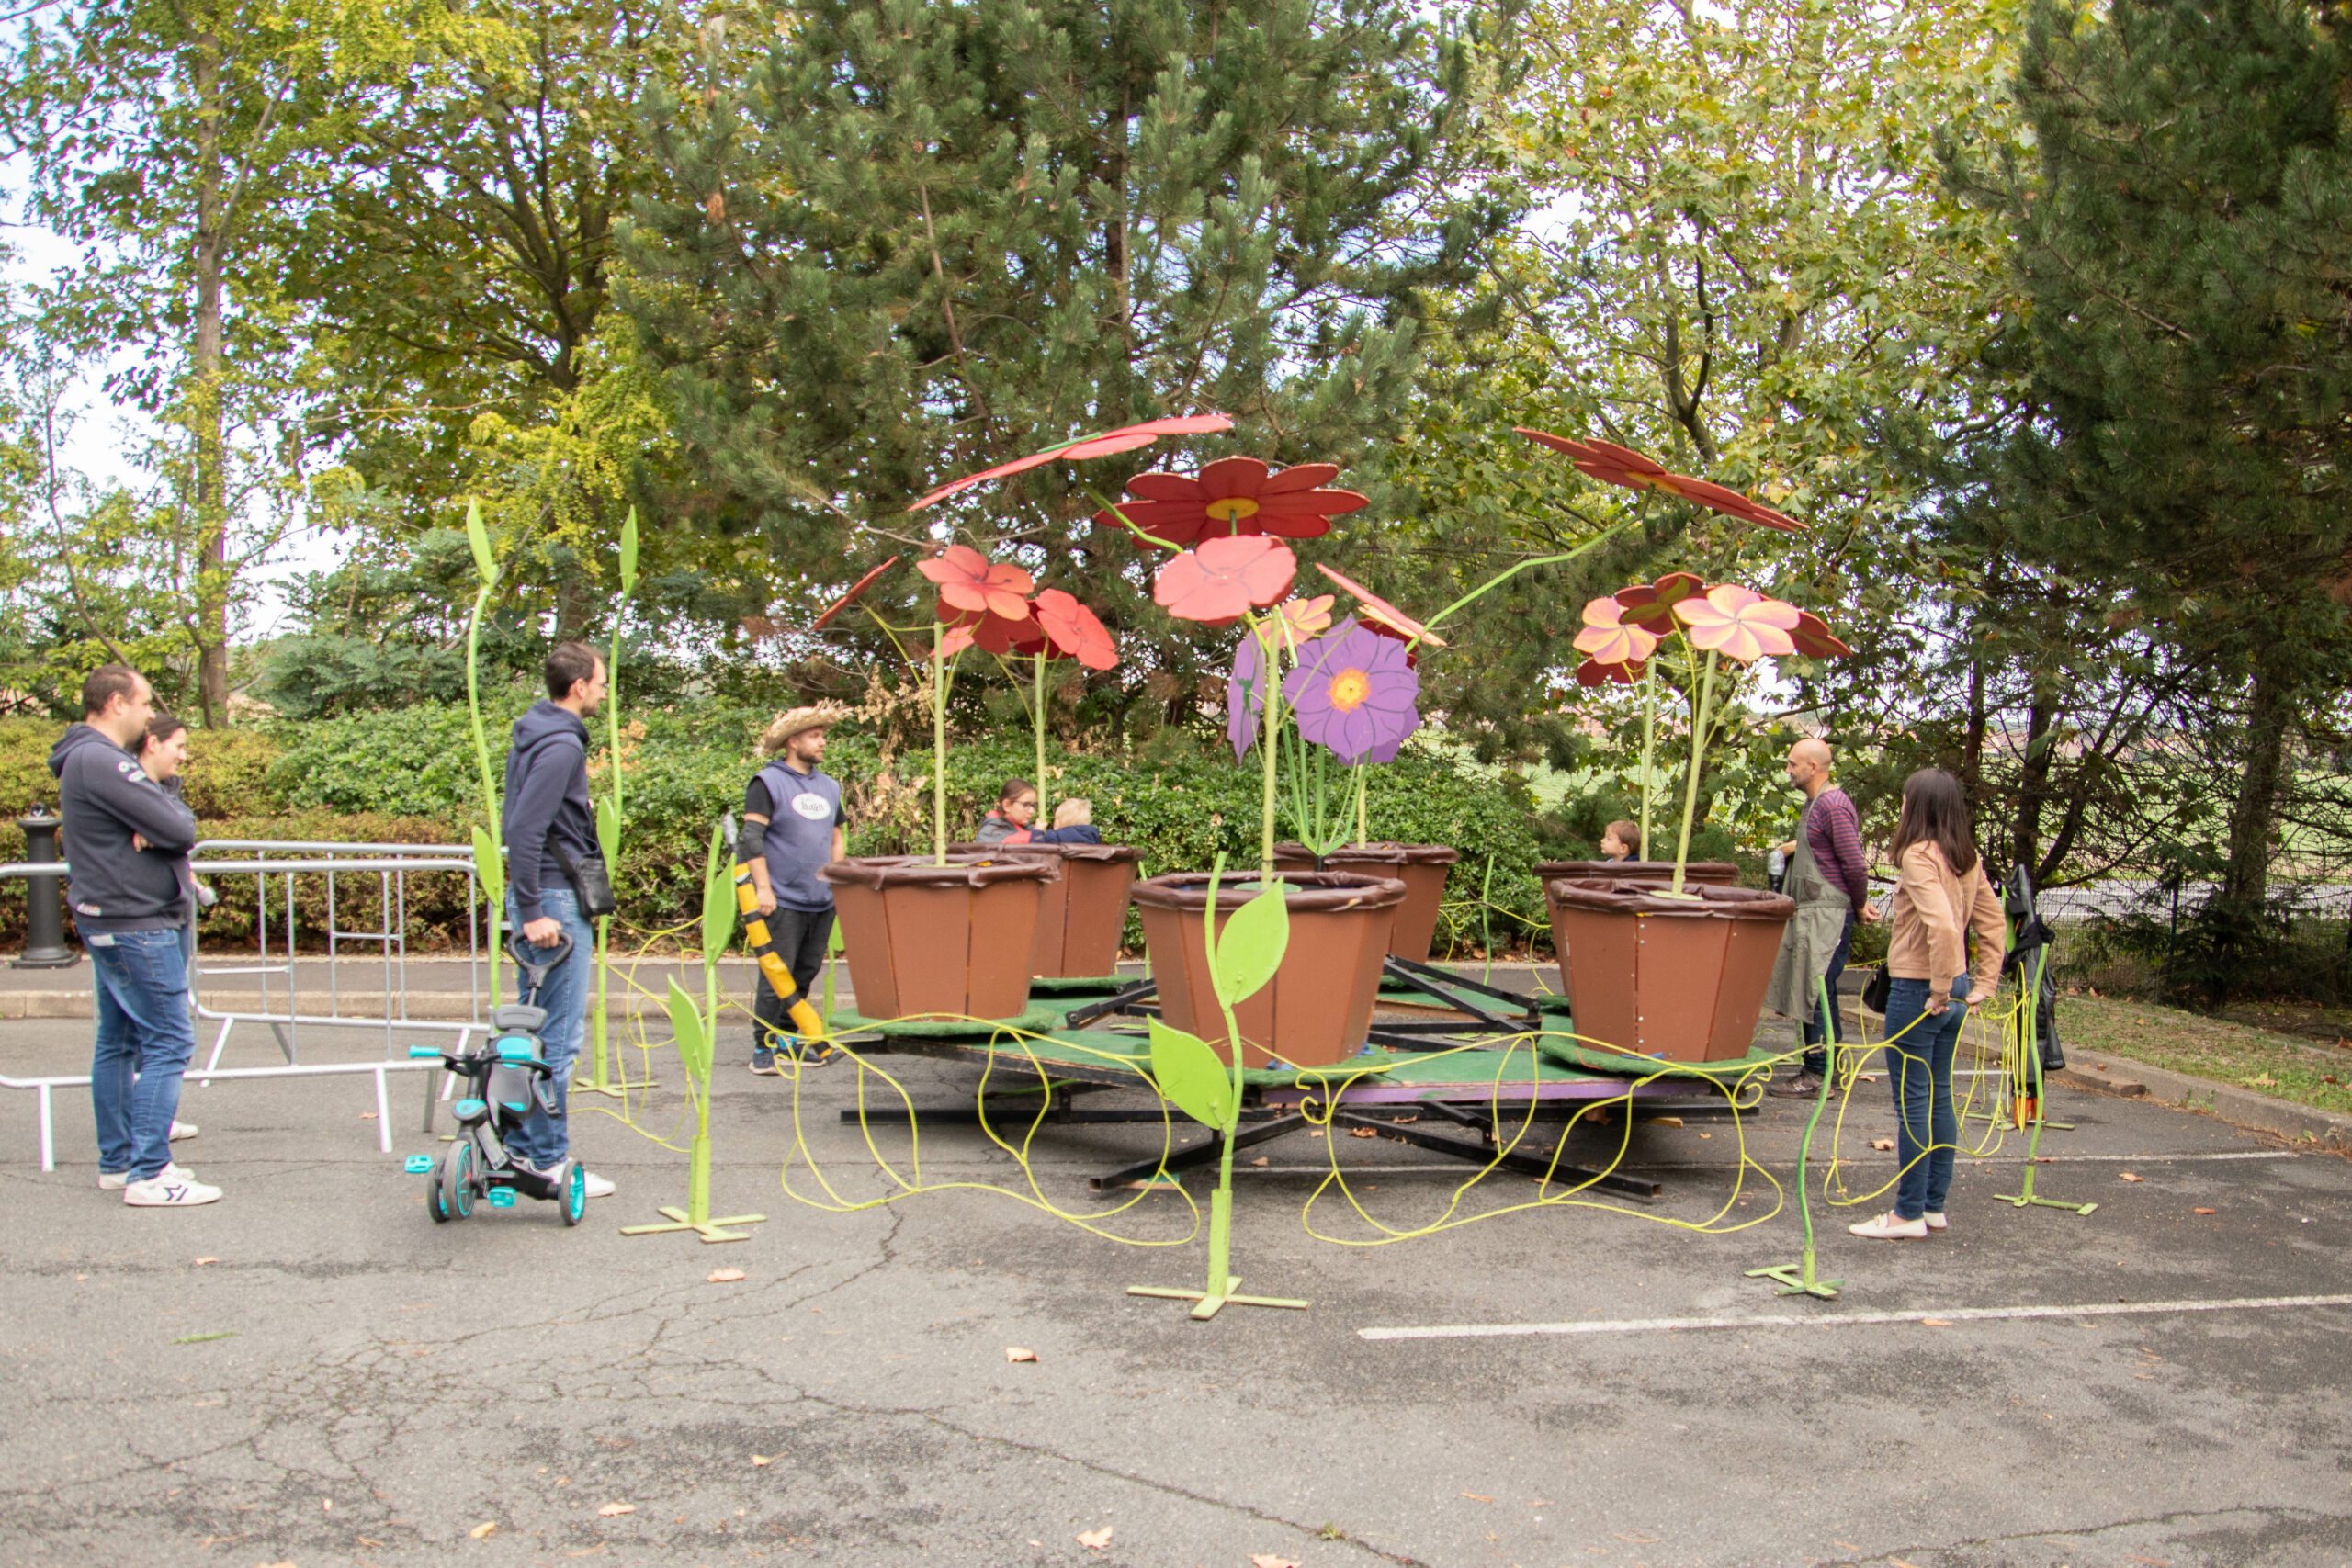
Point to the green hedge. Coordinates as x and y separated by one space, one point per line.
409 776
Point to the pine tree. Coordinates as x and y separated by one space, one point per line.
924 238
2183 245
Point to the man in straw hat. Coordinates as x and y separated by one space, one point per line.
792 825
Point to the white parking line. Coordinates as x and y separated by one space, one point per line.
1852 1319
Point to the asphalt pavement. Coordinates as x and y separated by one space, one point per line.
313 1372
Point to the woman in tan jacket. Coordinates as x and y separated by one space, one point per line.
1942 896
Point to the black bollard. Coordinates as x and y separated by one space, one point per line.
44 898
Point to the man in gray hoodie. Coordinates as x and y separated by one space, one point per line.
550 827
126 836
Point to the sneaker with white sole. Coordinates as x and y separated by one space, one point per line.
167 1192
115 1181
1891 1228
598 1186
1936 1221
184 1130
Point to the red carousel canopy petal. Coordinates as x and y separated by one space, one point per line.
1814 640
1592 672
1312 504
1309 526
1730 502
1650 605
1074 630
857 590
1380 614
1574 448
1157 486
1298 476
1626 457
1126 439
1233 476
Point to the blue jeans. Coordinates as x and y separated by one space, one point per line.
1919 1070
1822 1027
144 1039
543 1140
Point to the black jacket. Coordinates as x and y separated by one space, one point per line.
105 798
547 803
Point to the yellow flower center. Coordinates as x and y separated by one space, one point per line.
1349 689
1231 508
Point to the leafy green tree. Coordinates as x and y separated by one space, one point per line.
916 240
2179 234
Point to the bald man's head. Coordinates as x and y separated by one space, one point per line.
1809 763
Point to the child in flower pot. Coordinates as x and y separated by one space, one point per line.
1620 839
1009 821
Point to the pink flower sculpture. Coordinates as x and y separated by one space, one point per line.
1219 580
1609 639
967 581
1738 624
1071 628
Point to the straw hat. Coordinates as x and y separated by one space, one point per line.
796 721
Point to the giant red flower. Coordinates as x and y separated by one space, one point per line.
1070 627
990 632
967 581
1380 616
1126 439
1609 639
1624 467
1219 580
1592 672
1739 623
1234 496
857 590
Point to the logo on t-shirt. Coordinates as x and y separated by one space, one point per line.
812 806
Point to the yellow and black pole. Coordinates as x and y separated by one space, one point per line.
762 948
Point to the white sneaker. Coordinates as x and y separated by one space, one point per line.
1891 1228
115 1181
598 1186
1936 1221
167 1192
184 1130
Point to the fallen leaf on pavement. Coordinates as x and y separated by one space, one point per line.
1363 1132
202 1261
1882 1142
760 1462
1476 1498
723 1275
1261 1159
1019 1353
484 1531
1095 1540
2200 1210
614 1510
2129 1177
1935 1323
1268 1560
1636 1537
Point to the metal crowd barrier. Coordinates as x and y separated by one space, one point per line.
390 865
281 1006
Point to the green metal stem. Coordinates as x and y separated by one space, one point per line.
938 745
481 763
1649 748
1690 786
1363 814
1039 715
1508 572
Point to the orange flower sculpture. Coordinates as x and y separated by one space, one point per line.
1219 580
1609 638
968 582
1234 496
1739 623
1624 467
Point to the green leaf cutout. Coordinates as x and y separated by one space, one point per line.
608 830
479 537
488 868
694 1041
628 552
1194 1079
718 899
1251 947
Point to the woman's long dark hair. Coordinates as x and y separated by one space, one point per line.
1014 790
1935 812
161 728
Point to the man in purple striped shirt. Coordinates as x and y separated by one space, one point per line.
1837 890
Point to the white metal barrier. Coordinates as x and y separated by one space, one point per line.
45 1087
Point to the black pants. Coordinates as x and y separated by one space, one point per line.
799 936
1820 1029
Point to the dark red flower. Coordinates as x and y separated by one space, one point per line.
1814 640
1070 627
967 581
1234 496
1126 439
1220 581
1624 467
1380 616
1592 672
1650 605
857 590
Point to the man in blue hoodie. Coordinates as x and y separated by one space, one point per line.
549 828
126 837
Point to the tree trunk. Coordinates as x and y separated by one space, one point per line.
2033 778
207 420
2246 881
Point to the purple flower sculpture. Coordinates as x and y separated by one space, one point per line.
1354 694
1245 696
